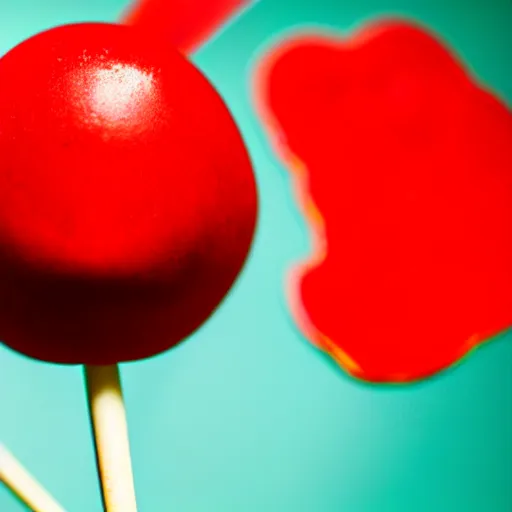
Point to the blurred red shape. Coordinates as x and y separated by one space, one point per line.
185 24
403 168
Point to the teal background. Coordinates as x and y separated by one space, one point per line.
246 416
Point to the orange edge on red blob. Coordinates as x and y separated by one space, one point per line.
314 220
316 225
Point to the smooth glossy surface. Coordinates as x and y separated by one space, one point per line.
127 199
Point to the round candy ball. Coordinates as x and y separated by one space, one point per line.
127 197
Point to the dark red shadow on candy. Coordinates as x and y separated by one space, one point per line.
402 165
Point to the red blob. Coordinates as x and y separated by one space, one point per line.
404 170
127 197
185 24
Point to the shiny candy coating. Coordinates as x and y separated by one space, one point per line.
127 198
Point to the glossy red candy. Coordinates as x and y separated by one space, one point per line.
403 167
127 197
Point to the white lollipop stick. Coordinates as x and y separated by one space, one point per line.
24 486
110 429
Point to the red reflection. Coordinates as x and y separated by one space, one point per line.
403 169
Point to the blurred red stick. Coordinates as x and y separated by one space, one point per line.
186 24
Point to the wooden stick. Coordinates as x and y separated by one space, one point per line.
108 421
24 486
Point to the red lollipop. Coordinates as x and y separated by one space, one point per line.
127 198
